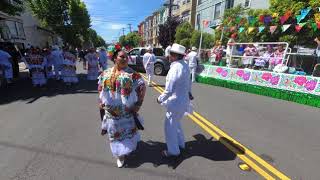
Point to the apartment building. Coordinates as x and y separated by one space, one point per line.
185 10
212 10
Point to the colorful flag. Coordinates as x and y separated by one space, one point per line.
305 12
275 15
300 26
251 29
273 29
299 18
241 29
285 27
317 17
261 28
314 27
285 17
238 20
261 18
267 19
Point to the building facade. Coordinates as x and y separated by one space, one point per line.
212 11
185 10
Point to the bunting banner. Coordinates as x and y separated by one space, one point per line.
299 18
314 26
241 29
275 15
317 17
251 29
285 17
305 12
300 26
285 27
273 29
238 20
261 18
267 19
252 20
261 28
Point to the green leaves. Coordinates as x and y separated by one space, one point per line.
12 9
132 39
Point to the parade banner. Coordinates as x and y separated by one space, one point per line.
296 83
273 29
285 27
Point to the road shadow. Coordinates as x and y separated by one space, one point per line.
22 89
150 152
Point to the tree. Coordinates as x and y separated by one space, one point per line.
14 8
207 39
132 39
183 34
167 31
68 18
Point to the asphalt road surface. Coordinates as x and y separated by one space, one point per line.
54 134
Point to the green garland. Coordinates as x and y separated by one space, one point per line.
301 98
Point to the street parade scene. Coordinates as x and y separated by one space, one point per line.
161 89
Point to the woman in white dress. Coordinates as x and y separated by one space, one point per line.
92 60
36 64
121 93
69 75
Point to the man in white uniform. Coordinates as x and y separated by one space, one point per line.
191 58
103 59
176 99
148 63
5 61
57 58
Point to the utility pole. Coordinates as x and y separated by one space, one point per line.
130 27
170 5
123 31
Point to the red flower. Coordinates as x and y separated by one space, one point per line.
240 73
266 76
300 80
219 70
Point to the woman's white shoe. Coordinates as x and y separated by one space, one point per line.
120 163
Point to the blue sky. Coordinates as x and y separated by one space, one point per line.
108 17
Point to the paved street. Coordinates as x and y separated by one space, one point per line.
55 135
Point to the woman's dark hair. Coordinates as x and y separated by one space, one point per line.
115 55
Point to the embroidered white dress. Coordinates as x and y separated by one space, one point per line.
118 121
36 64
68 72
93 68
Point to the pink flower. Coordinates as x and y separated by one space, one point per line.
224 73
219 70
300 80
275 80
310 85
240 73
266 76
246 76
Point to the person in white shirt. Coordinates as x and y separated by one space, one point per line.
167 51
176 98
103 59
231 49
148 63
5 61
191 58
318 50
57 58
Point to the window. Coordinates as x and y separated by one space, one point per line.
134 52
229 4
217 11
12 28
143 51
198 21
247 3
199 2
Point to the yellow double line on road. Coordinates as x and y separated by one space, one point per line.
263 168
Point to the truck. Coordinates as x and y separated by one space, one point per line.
161 66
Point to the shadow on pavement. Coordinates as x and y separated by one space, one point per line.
150 152
22 90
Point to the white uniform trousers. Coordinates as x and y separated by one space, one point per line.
173 132
193 71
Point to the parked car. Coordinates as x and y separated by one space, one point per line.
161 66
2 79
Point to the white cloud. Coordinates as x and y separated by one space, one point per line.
115 26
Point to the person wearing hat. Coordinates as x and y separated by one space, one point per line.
176 99
191 58
92 60
148 63
103 59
